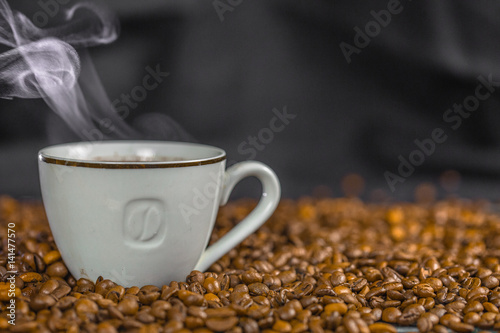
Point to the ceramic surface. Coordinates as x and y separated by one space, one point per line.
144 222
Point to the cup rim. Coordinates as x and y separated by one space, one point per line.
44 156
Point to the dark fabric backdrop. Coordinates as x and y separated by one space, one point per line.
226 77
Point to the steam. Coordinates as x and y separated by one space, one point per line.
44 63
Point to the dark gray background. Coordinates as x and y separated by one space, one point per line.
226 78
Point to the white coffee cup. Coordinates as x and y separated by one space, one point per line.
148 221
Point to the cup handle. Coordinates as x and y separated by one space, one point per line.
269 200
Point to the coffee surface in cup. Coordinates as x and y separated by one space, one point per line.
136 158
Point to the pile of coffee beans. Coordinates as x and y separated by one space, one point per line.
318 265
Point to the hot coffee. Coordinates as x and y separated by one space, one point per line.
148 211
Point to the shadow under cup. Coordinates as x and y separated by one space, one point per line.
135 212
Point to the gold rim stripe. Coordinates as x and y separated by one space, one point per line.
122 165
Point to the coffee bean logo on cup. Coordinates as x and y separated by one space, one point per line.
143 220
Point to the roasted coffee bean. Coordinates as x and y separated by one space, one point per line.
128 306
440 329
211 298
433 318
434 282
287 277
337 278
424 290
193 311
438 311
95 297
336 307
220 312
190 298
211 285
261 300
196 288
224 281
410 314
373 274
250 277
195 276
488 316
61 291
132 291
448 318
456 306
106 327
145 317
472 318
324 290
272 282
303 289
221 324
288 312
331 299
424 324
428 303
48 286
470 283
84 285
461 327
308 300
176 314
382 328
338 290
376 302
410 282
490 282
258 289
258 312
241 288
395 295
173 326
57 269
478 291
391 315
249 325
148 294
361 300
282 326
194 322
168 291
30 277
86 306
104 303
234 280
473 306
115 294
350 299
393 276
358 284
390 303
490 307
315 308
65 302
159 309
103 286
240 298
42 301
397 286
113 312
377 291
